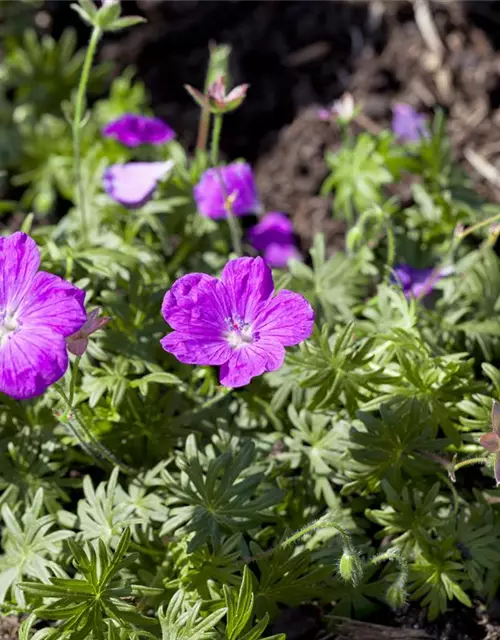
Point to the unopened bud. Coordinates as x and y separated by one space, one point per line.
396 594
350 567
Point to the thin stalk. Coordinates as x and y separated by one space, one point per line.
321 523
103 452
471 461
216 131
77 130
203 129
234 227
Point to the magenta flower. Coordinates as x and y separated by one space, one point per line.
133 184
133 130
79 341
273 237
239 184
235 322
408 124
418 282
38 311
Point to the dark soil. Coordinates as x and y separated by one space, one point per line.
297 56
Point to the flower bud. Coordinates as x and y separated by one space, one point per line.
350 567
216 98
396 595
108 14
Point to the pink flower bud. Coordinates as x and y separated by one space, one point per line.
78 342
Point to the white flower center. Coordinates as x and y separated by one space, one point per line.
8 325
239 333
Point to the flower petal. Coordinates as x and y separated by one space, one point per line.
197 305
497 468
273 228
19 262
197 350
133 184
288 319
239 183
134 129
490 441
52 303
30 361
250 361
249 284
278 255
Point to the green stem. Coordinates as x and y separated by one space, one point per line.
77 130
103 452
478 225
321 523
74 376
391 252
216 131
471 461
204 126
234 227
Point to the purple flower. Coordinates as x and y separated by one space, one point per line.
133 130
38 311
408 124
235 322
418 282
133 184
273 237
240 187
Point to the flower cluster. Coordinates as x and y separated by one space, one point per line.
235 322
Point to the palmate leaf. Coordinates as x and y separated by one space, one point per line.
219 500
30 549
394 447
410 517
340 368
84 604
435 581
182 621
289 576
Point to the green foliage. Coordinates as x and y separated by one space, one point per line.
138 498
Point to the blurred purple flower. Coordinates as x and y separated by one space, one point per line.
273 237
408 124
133 184
38 311
416 282
235 322
133 130
239 185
